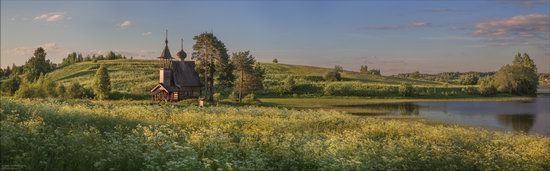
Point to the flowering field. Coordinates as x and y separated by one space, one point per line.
132 135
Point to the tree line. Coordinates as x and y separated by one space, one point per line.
31 79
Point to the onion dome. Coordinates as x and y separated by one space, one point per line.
181 54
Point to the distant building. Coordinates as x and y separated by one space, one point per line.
178 79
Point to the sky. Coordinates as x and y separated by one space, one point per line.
393 36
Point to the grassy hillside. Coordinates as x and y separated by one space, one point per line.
58 134
283 70
139 76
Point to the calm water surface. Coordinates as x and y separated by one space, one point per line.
526 116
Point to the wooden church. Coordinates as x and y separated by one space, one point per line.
178 79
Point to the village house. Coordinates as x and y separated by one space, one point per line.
177 79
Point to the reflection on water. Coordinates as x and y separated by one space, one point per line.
519 122
386 108
519 116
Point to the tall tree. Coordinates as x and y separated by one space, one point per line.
212 64
243 62
102 83
37 65
519 78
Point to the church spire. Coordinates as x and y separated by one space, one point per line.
166 40
166 52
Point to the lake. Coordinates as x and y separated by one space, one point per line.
530 116
519 116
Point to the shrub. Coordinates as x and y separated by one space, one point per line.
406 90
486 87
11 85
469 79
27 90
332 76
75 91
61 90
251 99
102 83
275 61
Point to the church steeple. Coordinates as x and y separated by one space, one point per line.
166 52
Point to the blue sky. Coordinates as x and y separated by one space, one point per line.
394 36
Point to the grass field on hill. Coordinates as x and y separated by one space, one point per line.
54 134
136 77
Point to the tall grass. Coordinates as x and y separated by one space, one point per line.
126 135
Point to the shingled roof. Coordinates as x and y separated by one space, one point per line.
184 74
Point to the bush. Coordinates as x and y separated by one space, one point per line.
102 83
27 90
486 87
75 91
250 98
11 85
333 76
61 90
469 79
406 90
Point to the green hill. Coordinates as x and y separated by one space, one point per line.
139 76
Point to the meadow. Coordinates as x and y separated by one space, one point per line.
132 79
56 134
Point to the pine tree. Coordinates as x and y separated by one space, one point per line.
212 63
102 83
243 62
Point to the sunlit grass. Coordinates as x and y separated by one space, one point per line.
135 135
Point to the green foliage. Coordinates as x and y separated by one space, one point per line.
61 90
338 68
520 78
275 61
415 75
469 79
250 73
129 135
102 83
11 84
75 91
406 90
333 76
364 69
41 88
37 65
486 87
374 72
212 58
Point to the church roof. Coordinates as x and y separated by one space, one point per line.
184 74
166 52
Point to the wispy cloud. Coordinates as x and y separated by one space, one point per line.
125 24
421 24
51 17
523 30
523 3
147 33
